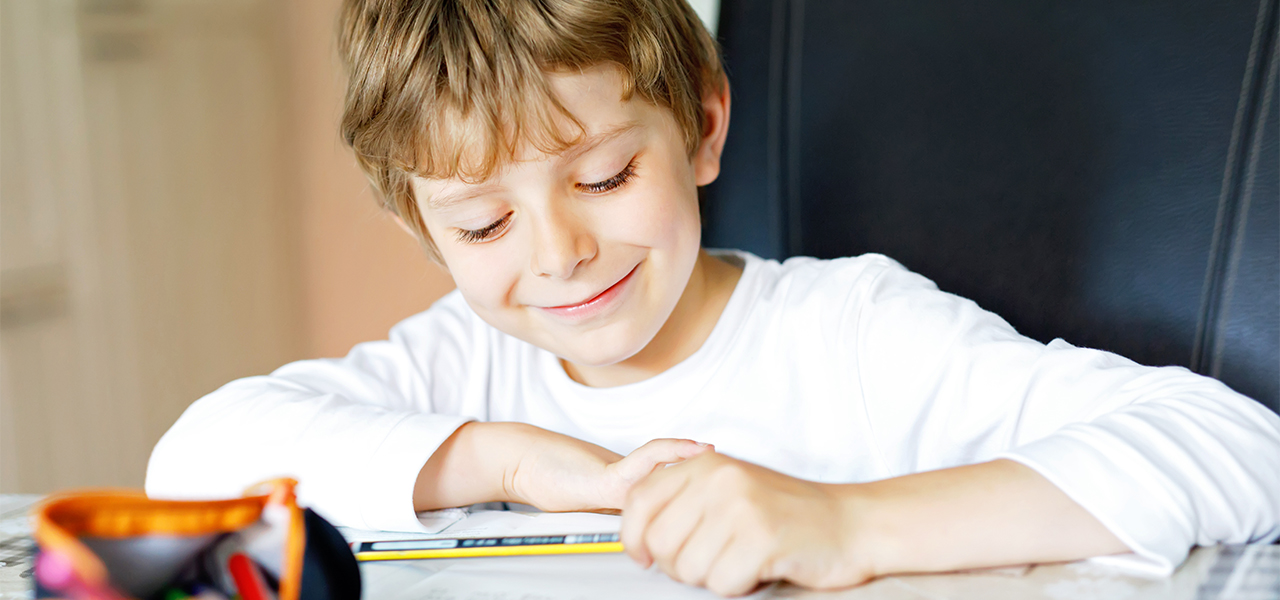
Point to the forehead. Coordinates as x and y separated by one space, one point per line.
595 99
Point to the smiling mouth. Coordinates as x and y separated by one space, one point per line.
600 299
597 296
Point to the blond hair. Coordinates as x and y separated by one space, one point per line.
454 88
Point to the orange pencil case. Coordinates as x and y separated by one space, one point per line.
118 545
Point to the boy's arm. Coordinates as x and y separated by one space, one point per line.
1164 458
727 524
988 514
1103 454
356 432
517 462
388 430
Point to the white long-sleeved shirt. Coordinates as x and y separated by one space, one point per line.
843 370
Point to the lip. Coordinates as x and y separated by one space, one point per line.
596 304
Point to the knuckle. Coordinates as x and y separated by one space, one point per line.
738 512
727 586
662 545
689 570
704 460
748 516
759 545
666 550
729 475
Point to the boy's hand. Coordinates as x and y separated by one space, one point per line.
558 473
517 462
726 524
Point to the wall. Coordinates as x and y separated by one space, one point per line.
177 212
147 257
360 272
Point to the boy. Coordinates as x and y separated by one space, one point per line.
548 154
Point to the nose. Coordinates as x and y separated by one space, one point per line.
562 243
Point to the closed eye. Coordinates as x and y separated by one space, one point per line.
611 183
475 236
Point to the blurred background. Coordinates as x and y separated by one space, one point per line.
176 211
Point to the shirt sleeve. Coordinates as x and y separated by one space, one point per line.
1163 457
354 432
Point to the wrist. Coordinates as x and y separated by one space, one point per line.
868 540
519 443
475 464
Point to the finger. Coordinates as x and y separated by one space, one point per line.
736 571
669 530
647 458
642 462
708 541
644 503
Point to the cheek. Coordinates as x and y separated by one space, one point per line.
663 217
482 274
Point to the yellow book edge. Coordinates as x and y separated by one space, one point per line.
589 548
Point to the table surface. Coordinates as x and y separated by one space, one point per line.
1236 572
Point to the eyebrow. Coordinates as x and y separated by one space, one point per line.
587 144
447 199
590 142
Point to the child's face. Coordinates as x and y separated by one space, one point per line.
587 252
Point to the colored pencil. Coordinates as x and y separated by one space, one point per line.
475 547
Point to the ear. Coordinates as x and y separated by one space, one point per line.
715 127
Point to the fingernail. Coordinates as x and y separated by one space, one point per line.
702 444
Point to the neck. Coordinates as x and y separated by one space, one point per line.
710 285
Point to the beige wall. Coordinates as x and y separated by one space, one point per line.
178 212
360 272
146 255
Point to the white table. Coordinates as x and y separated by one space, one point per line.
15 545
1203 576
593 576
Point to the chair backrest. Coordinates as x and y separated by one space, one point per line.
1104 171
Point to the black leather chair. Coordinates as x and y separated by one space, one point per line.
1105 171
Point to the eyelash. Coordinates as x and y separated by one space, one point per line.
611 183
475 236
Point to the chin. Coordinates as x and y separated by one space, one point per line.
602 353
600 357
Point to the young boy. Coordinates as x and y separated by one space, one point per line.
548 154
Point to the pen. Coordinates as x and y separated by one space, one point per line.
474 547
248 579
